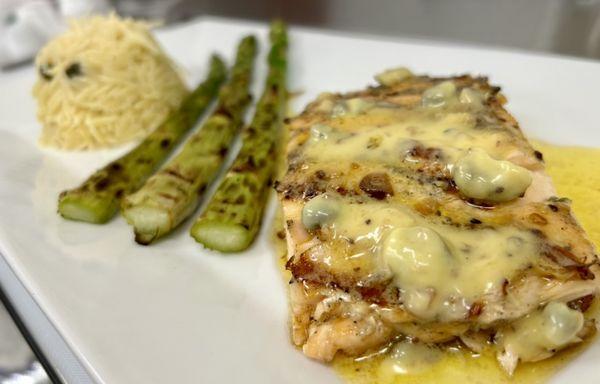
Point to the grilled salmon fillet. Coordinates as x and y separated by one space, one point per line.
418 209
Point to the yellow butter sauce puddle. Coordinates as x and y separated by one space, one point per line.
576 175
457 367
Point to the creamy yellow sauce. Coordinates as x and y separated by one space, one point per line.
575 175
387 135
441 270
460 265
575 172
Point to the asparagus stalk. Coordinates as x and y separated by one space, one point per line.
174 192
98 198
233 216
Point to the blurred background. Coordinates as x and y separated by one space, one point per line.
567 27
570 27
563 26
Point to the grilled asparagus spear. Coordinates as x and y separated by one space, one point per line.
173 193
234 214
97 199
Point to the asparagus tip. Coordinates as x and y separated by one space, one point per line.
217 61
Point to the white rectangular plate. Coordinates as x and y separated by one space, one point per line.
174 312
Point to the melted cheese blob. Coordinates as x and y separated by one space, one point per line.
442 94
407 358
319 210
482 177
471 97
393 76
540 332
351 107
357 105
419 260
561 324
